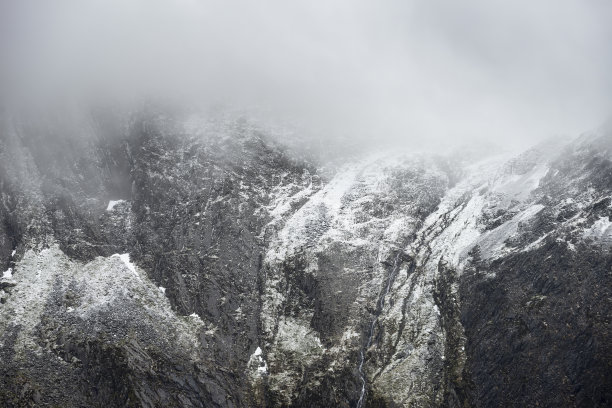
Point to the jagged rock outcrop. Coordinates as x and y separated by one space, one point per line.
160 258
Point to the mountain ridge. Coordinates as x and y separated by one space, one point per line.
398 280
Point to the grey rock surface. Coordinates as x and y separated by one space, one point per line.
161 258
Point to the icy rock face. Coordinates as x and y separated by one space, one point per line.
391 297
326 266
83 321
192 197
165 259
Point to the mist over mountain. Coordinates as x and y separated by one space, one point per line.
403 73
315 204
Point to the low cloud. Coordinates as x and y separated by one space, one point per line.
391 71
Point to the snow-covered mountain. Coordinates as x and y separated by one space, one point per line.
161 260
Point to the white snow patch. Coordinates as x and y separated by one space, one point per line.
348 335
102 283
536 244
454 240
459 237
7 274
297 337
519 187
13 253
465 230
492 243
330 214
257 360
602 229
282 204
416 294
162 289
126 260
113 203
436 310
397 228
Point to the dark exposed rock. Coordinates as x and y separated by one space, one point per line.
539 331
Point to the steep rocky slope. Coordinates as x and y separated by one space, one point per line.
165 259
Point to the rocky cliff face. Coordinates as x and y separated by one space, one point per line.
158 259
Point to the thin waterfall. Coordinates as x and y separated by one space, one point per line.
379 307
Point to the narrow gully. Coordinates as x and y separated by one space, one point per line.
379 306
426 236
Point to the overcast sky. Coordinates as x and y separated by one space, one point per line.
392 70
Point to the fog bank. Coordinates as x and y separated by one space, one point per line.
387 72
